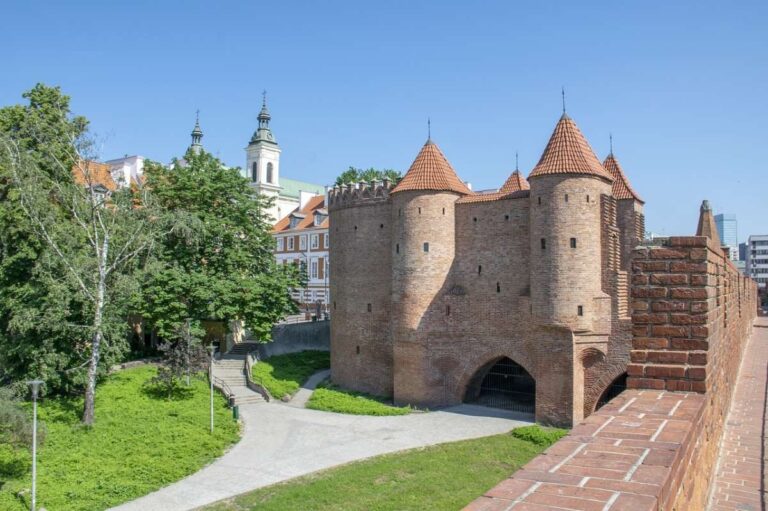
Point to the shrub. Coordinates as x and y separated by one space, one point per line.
539 435
14 462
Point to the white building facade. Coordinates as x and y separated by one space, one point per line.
262 167
301 238
757 259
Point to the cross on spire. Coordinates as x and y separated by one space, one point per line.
562 91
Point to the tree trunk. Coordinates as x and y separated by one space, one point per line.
90 387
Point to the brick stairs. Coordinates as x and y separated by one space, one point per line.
230 369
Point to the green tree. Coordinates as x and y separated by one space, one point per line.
220 265
355 175
85 242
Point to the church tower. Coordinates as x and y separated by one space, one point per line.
197 136
262 165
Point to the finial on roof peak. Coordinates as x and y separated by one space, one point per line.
705 205
429 129
264 98
517 168
610 141
562 91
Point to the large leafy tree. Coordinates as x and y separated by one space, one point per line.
221 265
79 246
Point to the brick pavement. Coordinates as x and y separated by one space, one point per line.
740 480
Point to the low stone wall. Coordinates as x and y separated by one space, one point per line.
295 337
654 446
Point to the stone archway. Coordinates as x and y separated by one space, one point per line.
616 387
503 383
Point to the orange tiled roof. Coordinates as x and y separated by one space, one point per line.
93 173
488 197
568 152
621 187
431 171
308 211
515 183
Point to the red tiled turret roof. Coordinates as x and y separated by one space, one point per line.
515 183
621 187
568 152
431 171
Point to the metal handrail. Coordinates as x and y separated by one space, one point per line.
223 387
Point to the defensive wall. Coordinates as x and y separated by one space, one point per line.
295 337
654 446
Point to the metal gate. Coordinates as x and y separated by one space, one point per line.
618 386
507 385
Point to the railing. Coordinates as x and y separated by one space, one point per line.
251 359
223 388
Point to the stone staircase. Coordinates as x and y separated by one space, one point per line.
230 369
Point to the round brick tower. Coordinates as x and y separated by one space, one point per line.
566 230
423 249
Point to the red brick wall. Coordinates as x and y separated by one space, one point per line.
692 313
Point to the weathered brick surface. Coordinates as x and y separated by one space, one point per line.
485 290
667 431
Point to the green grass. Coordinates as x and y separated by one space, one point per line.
332 399
282 375
138 444
443 477
539 435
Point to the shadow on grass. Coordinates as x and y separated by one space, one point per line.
166 393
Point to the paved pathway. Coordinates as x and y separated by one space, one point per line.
740 480
282 442
305 392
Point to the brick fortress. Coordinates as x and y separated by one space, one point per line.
516 298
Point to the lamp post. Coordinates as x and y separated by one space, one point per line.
35 386
211 380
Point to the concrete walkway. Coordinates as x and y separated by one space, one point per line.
301 397
740 473
282 442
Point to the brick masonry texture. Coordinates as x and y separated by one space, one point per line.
738 482
484 289
654 447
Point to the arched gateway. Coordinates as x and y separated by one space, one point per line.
503 383
616 387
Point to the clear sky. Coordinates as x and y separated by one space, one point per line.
683 86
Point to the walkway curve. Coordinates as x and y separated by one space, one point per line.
282 442
301 397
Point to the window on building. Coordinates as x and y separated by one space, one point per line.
326 268
269 172
426 247
290 242
580 310
397 248
447 310
255 171
566 197
315 241
479 269
313 268
539 200
543 243
280 244
303 242
325 240
573 242
370 308
498 287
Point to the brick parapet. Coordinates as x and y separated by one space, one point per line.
688 303
632 454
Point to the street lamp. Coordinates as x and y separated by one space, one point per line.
35 386
211 380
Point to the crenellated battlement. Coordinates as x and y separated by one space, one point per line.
357 194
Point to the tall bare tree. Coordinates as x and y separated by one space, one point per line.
95 232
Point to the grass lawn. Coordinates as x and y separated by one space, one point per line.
282 375
331 399
138 444
443 477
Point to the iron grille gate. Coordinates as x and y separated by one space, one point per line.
507 385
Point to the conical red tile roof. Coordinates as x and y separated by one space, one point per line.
431 171
621 187
568 152
515 183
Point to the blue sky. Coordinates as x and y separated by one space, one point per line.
681 85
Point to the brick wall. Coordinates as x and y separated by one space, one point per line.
654 446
